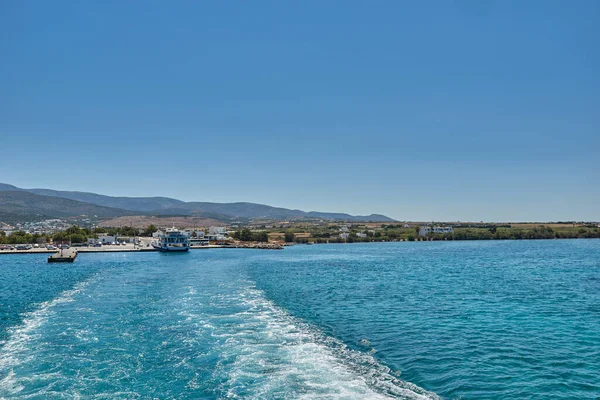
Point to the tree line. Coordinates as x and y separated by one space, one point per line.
246 235
73 234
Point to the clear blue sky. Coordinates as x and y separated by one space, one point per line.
446 110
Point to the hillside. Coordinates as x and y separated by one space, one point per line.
139 204
22 203
253 210
142 221
169 206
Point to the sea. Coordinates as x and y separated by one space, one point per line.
408 320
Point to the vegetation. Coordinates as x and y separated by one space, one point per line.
289 237
246 235
21 237
150 230
388 233
331 233
122 231
74 234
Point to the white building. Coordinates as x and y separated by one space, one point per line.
344 235
198 233
424 230
217 233
105 239
199 241
361 235
217 230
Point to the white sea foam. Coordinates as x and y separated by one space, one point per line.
258 351
270 354
16 350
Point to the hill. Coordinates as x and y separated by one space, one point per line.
170 206
21 203
139 204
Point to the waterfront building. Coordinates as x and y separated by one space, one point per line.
196 233
424 230
106 239
217 230
198 241
217 233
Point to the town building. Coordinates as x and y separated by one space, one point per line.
217 233
196 233
276 236
198 241
217 230
424 230
106 239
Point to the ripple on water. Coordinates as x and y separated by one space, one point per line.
466 320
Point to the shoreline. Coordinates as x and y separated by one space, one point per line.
107 249
136 249
270 246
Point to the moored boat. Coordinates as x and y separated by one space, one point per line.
172 240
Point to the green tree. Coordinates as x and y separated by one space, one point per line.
244 235
127 231
261 237
289 237
58 237
149 230
74 230
78 238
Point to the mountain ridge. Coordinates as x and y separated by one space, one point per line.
165 206
21 202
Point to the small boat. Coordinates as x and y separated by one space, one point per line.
172 240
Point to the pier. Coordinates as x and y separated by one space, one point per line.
63 255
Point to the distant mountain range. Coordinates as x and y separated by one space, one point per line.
25 206
16 201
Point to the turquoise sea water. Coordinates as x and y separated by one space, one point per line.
458 320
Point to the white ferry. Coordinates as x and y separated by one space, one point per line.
172 240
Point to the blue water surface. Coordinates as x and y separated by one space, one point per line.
458 320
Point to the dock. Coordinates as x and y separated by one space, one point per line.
63 255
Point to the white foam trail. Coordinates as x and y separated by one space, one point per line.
16 350
271 354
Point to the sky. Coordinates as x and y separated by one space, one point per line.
420 110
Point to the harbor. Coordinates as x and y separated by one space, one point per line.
143 247
104 249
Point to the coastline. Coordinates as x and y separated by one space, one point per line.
258 246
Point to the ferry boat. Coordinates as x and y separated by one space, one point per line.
172 240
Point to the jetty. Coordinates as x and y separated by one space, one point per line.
63 255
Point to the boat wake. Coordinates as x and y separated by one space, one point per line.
203 341
265 352
16 350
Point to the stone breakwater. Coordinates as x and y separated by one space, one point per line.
264 246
